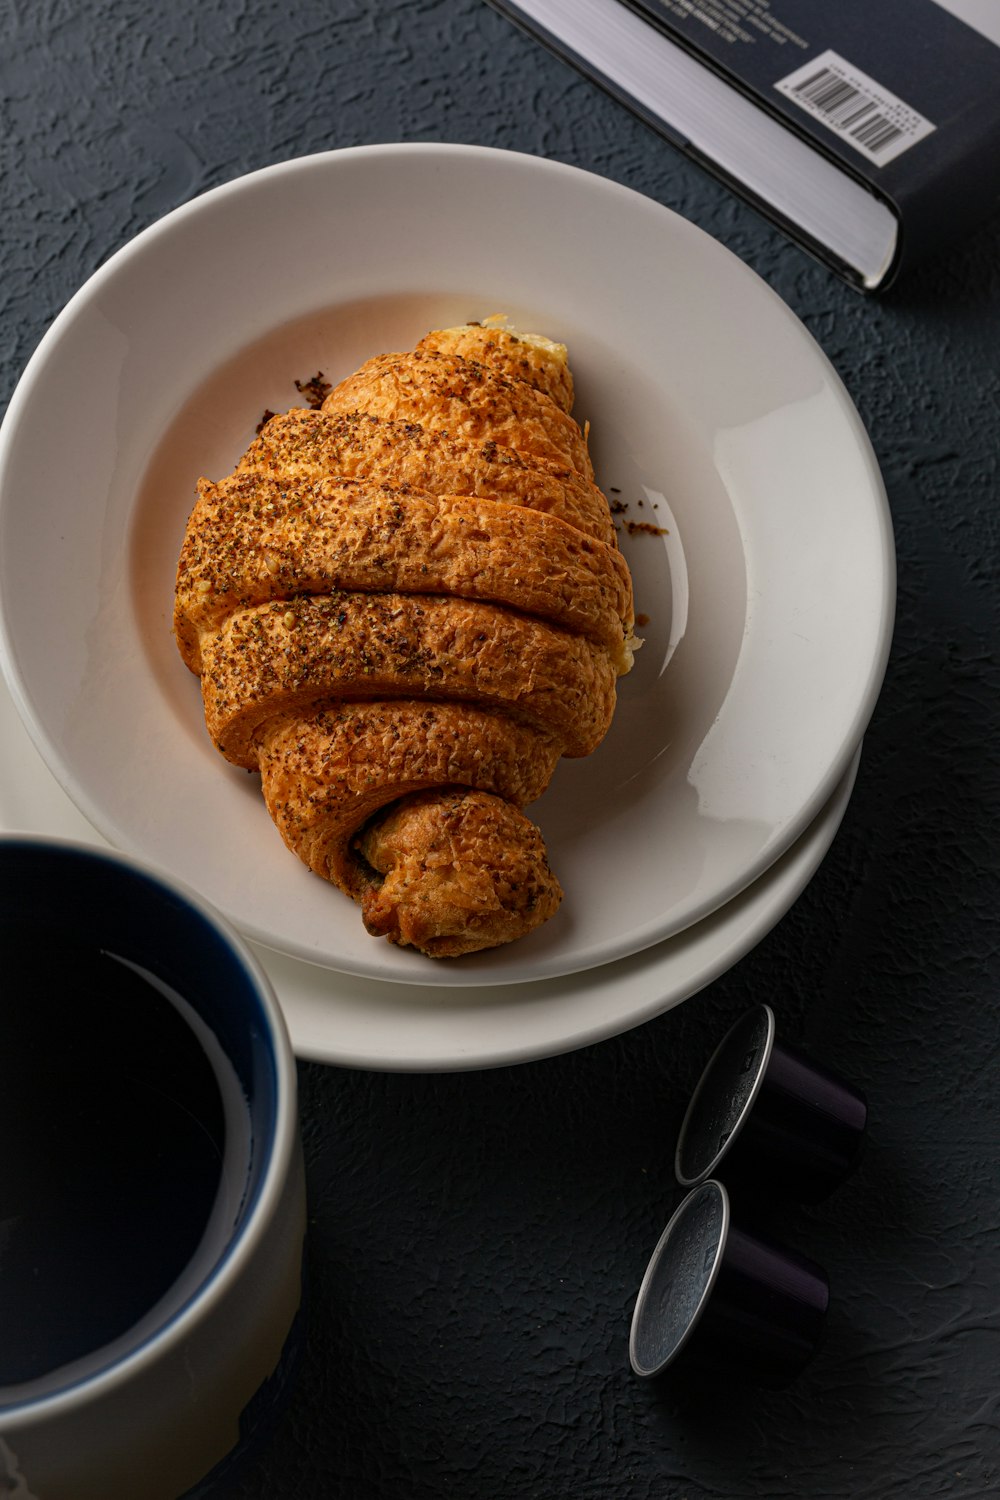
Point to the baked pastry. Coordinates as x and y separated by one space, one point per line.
404 608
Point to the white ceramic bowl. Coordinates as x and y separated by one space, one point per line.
170 1277
768 586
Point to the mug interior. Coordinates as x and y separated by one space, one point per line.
141 1109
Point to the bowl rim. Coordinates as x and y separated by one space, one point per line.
868 689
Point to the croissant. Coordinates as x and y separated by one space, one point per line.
404 607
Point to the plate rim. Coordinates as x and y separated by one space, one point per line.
60 818
811 849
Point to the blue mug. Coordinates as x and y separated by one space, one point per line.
152 1198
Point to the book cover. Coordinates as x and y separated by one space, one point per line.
901 97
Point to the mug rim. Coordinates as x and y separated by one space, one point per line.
277 1163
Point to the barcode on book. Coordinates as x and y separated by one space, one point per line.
863 113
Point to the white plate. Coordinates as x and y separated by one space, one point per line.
713 413
364 1023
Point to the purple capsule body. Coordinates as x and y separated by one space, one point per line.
770 1119
719 1298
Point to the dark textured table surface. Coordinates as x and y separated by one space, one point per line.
477 1239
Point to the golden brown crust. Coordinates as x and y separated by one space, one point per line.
252 538
458 396
462 870
325 773
307 445
539 362
291 654
404 609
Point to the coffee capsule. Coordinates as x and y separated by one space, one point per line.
767 1118
718 1299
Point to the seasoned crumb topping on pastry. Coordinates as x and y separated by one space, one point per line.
404 609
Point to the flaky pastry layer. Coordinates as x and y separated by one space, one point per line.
404 609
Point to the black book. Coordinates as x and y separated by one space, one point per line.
869 130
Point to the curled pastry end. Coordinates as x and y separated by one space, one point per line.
461 870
